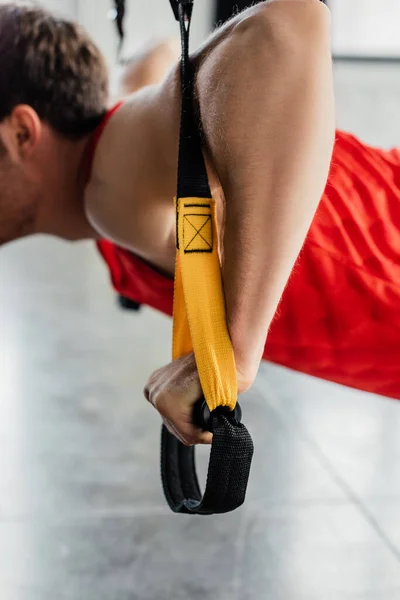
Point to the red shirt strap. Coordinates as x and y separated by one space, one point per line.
97 135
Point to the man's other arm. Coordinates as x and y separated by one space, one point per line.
267 106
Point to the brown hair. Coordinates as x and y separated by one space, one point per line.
52 65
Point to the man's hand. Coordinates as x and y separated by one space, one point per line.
174 390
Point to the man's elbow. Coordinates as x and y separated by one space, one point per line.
290 27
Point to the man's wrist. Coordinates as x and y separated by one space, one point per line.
246 374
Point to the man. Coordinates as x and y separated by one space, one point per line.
265 95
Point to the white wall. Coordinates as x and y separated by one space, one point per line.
369 27
68 8
64 7
144 19
359 26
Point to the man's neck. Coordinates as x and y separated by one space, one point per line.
63 204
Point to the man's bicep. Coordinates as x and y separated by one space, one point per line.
271 63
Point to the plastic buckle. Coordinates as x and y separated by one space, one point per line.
202 414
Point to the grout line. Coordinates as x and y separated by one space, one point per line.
352 496
336 477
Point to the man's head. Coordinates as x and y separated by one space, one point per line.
53 89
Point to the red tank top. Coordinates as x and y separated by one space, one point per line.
339 317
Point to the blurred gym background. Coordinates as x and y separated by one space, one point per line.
82 515
361 28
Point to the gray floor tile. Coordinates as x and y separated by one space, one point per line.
356 433
15 593
316 552
282 553
143 559
28 593
76 426
285 469
386 514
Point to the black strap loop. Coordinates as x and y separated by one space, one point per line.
232 447
228 471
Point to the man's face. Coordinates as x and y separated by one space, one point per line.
17 209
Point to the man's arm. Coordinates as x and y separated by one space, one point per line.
266 99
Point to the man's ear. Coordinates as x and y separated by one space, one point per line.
26 129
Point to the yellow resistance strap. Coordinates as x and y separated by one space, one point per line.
200 326
199 305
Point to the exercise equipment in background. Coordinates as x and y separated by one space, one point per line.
117 14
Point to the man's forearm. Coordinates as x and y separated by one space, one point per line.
266 98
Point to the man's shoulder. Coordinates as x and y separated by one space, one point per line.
134 173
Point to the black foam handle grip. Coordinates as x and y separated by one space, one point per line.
202 416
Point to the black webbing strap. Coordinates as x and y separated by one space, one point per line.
119 18
228 470
232 447
192 173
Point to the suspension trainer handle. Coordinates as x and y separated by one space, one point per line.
200 326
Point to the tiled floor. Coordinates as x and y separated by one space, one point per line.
82 516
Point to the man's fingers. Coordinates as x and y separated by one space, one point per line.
172 429
187 433
189 438
205 438
173 391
